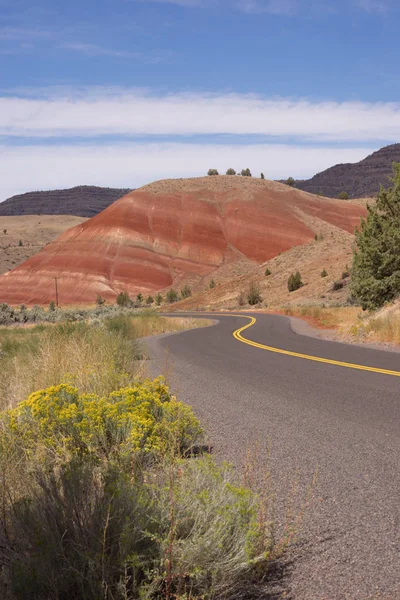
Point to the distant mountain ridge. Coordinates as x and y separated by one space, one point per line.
360 180
81 201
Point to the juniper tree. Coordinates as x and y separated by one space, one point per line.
376 261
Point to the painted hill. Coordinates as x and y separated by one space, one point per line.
81 201
174 231
359 180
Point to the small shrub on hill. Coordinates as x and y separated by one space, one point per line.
267 272
262 176
290 181
337 285
324 273
241 299
212 172
254 295
212 284
231 172
246 173
52 306
343 196
159 299
123 299
172 296
294 282
149 300
186 292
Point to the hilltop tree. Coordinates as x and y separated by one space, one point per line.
246 173
231 172
212 172
290 181
343 196
262 176
376 262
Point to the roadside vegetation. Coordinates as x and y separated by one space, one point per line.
106 488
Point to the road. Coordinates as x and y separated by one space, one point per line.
343 422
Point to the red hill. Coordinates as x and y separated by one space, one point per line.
169 231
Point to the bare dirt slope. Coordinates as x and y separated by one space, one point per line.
34 231
175 231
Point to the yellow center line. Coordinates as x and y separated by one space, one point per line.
238 336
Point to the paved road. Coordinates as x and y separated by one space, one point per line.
343 422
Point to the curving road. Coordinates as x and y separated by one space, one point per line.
315 415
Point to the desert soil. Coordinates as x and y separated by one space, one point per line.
34 231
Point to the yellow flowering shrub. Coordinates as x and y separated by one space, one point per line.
144 419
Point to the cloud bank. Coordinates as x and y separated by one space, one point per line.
129 113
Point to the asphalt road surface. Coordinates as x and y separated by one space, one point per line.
316 416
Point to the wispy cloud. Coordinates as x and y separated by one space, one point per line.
24 33
380 7
94 50
98 112
132 165
285 8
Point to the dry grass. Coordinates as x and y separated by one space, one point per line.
34 231
342 318
96 358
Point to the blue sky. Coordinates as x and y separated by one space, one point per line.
122 92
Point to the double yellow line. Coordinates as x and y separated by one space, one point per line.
338 363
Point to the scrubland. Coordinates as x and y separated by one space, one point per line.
106 489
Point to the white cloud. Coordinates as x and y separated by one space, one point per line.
29 168
128 113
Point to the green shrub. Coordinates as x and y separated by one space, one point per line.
52 306
123 299
139 298
212 284
267 272
324 273
343 196
337 285
172 296
262 176
20 243
253 294
159 299
246 173
149 300
294 282
186 292
290 181
212 172
231 172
